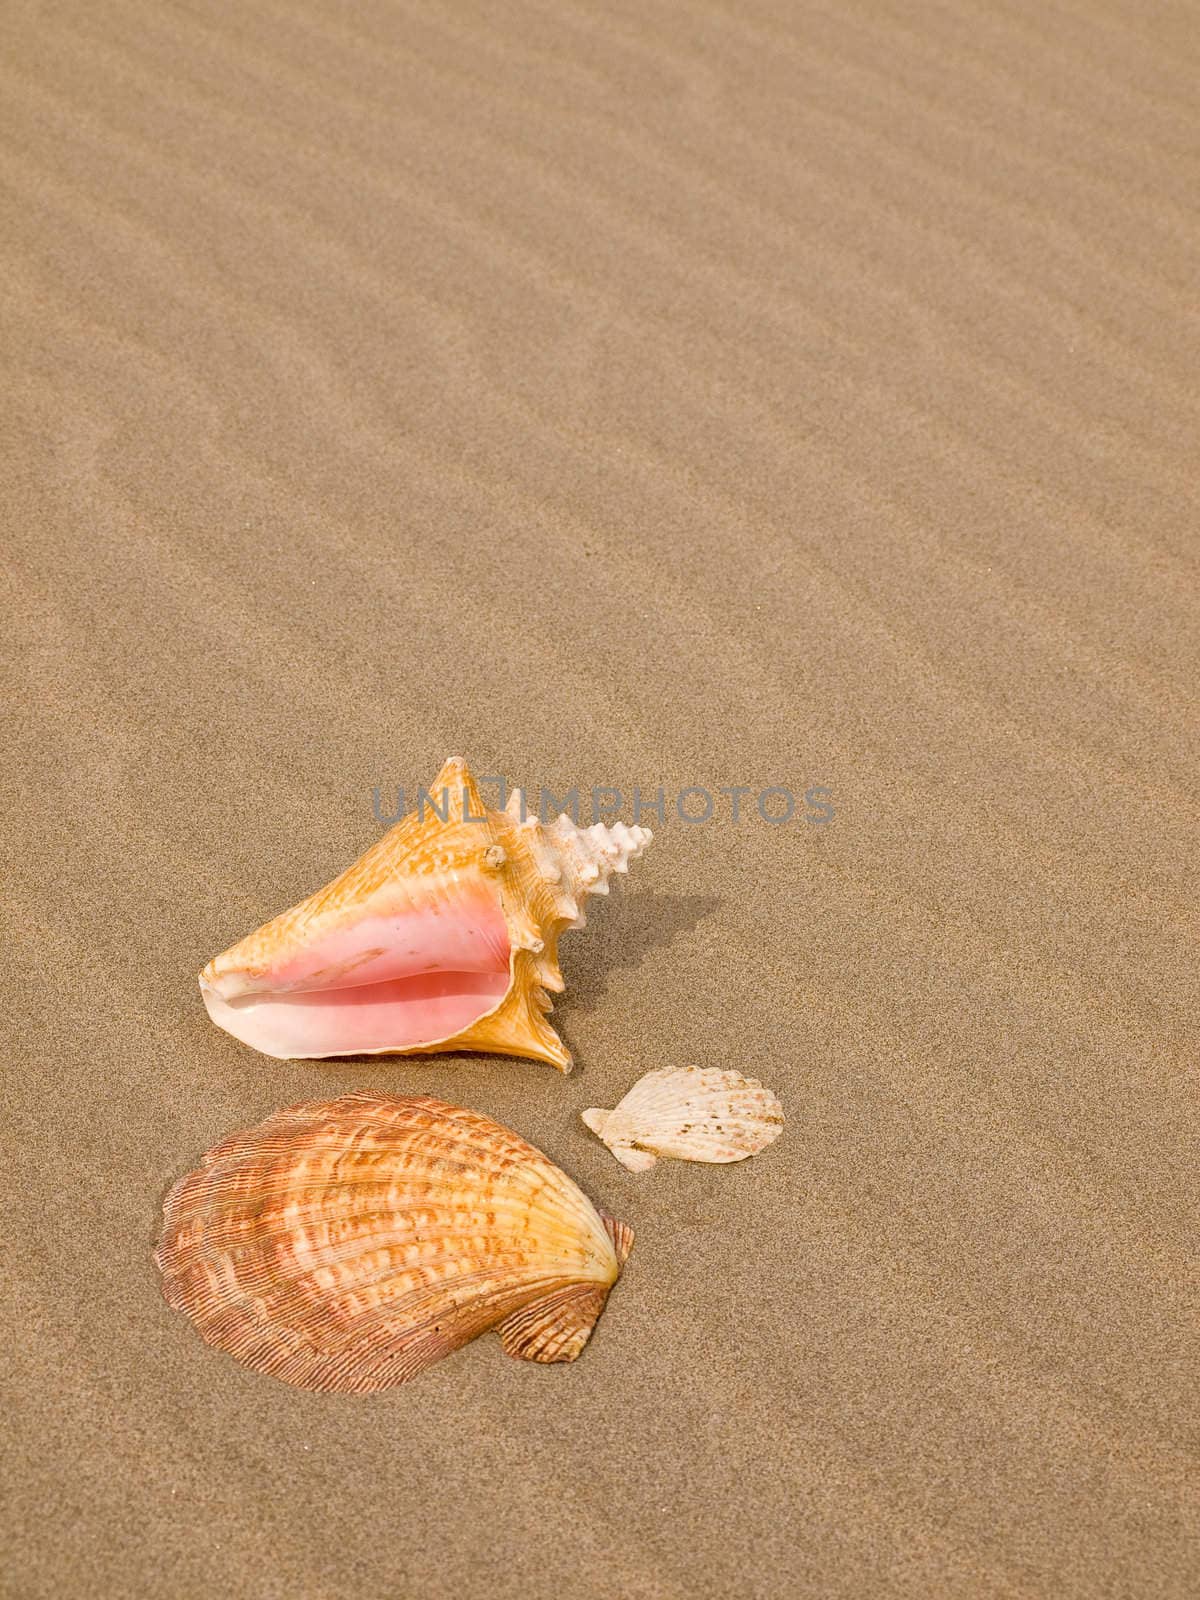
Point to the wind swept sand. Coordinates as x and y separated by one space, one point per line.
656 393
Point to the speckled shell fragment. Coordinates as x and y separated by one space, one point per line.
347 1245
443 936
690 1114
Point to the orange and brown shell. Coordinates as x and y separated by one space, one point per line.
443 936
348 1244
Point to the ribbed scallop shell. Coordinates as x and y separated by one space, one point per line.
348 1244
691 1114
443 936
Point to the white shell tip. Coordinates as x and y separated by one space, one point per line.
633 1158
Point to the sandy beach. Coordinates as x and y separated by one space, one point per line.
674 395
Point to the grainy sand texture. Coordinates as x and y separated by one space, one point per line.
763 393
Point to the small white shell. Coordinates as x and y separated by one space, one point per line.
690 1113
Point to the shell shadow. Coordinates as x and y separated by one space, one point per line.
619 939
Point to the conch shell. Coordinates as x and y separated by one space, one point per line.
349 1244
442 937
690 1113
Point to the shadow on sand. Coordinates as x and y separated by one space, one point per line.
620 935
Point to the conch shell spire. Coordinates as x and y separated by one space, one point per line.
443 936
579 860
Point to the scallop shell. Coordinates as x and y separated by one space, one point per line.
348 1244
691 1114
443 936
